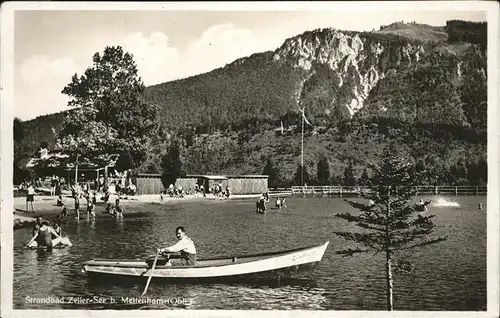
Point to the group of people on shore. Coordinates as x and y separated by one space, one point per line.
219 192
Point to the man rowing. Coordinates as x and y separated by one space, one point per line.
185 246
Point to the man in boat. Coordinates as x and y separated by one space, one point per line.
43 238
185 246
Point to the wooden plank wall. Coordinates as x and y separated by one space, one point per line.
186 183
248 185
148 185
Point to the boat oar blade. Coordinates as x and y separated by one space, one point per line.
151 275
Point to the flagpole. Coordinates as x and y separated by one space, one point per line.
302 150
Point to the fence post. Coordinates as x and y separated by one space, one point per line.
476 190
456 191
436 190
340 192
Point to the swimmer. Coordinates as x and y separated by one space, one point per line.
43 238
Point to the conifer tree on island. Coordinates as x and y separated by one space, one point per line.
110 114
388 221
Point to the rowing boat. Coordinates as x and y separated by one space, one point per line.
286 264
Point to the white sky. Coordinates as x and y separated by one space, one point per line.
50 46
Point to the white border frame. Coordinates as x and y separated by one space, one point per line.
6 142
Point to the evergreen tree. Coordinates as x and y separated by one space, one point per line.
364 178
297 178
272 172
349 178
171 165
388 222
323 171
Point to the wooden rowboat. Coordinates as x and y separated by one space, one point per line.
276 265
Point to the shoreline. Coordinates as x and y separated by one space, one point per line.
45 206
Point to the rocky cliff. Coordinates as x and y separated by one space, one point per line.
341 69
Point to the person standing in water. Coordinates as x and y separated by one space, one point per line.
119 208
36 226
90 209
43 238
57 228
77 206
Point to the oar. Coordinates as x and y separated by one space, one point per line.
151 275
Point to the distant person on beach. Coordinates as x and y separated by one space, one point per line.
58 186
30 197
53 186
119 208
185 246
60 201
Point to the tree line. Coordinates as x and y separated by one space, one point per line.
462 173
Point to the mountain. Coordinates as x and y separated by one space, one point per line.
417 84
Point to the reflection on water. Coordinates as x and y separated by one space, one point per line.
233 228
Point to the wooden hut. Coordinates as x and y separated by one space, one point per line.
238 184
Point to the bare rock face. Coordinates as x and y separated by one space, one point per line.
350 64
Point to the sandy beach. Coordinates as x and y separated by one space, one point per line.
45 206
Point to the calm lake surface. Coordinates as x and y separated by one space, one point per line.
448 276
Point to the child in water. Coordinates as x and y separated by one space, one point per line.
90 209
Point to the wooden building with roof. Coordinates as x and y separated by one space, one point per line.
238 184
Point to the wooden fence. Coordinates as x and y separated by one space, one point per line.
353 190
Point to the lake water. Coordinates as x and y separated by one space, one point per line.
448 276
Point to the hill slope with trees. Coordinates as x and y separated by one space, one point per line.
360 90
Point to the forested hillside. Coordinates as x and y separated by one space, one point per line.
421 86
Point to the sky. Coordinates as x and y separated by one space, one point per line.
52 45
